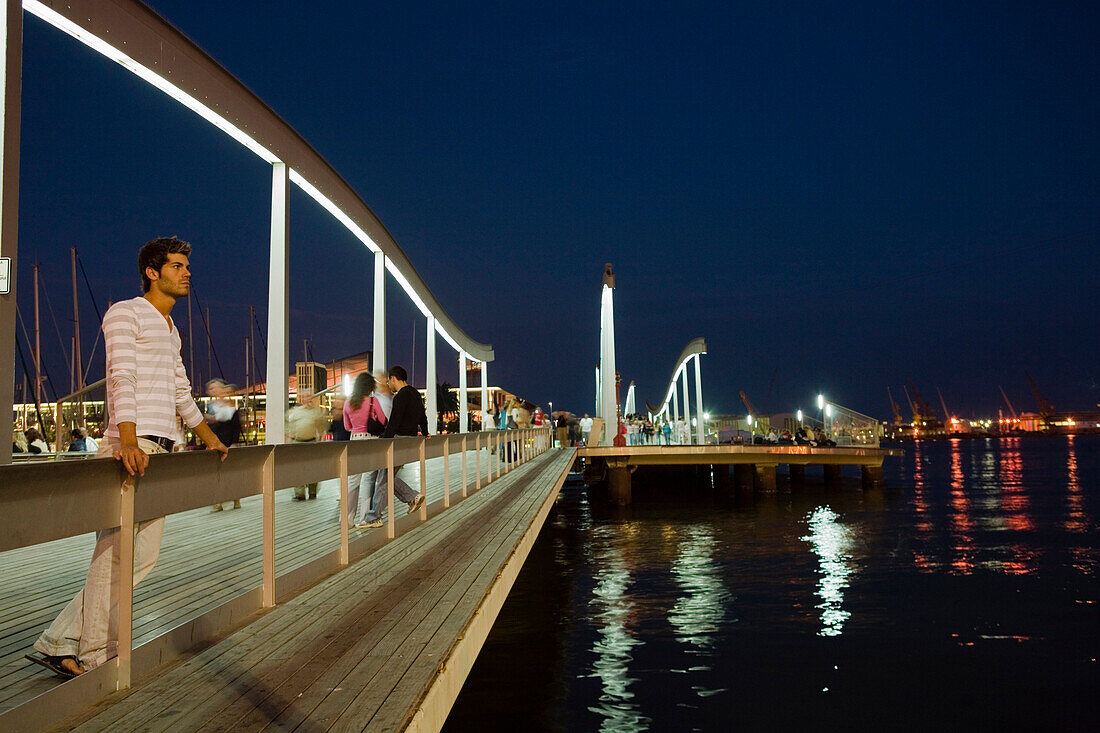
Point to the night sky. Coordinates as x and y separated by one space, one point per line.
838 196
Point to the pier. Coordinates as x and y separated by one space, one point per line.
754 466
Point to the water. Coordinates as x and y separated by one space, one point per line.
963 595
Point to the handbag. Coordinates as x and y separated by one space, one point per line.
375 426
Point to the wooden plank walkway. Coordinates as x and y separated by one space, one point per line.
206 560
382 645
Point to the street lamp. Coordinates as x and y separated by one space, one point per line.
821 408
748 418
799 415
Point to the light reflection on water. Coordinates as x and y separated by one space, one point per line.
613 610
832 543
697 615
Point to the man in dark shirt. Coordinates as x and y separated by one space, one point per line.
407 417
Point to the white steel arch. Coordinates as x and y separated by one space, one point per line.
693 350
133 35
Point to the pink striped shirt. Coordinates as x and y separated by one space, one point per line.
146 382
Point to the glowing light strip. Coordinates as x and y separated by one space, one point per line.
447 337
672 385
400 278
98 44
327 204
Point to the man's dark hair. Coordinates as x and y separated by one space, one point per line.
76 434
399 373
155 254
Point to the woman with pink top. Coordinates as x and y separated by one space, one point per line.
363 418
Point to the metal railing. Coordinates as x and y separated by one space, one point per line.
47 501
59 422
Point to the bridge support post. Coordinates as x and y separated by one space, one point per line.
618 482
278 314
687 405
484 394
379 355
11 89
797 475
429 379
832 476
701 426
872 477
721 476
765 478
743 477
463 395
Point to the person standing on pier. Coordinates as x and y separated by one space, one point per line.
146 387
407 417
586 429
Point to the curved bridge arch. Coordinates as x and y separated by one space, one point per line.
131 34
694 349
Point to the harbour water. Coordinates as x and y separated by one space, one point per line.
963 595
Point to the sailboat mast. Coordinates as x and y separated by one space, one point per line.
77 360
37 347
191 341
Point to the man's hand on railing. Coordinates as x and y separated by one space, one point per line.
133 458
206 435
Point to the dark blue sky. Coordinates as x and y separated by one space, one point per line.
839 197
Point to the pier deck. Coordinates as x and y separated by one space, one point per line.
206 559
383 645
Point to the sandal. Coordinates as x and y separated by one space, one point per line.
54 665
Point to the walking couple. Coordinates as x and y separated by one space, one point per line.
382 406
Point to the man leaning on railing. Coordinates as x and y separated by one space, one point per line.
146 386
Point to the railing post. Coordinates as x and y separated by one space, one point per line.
423 514
477 461
344 506
463 466
269 530
500 454
125 583
390 528
446 472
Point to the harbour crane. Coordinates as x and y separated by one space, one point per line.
922 411
1045 408
1011 409
894 405
946 414
748 405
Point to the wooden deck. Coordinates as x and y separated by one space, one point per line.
208 558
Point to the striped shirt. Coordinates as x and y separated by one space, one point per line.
146 381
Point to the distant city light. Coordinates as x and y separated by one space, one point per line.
821 402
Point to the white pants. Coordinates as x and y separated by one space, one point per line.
88 627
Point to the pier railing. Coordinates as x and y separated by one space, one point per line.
46 501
